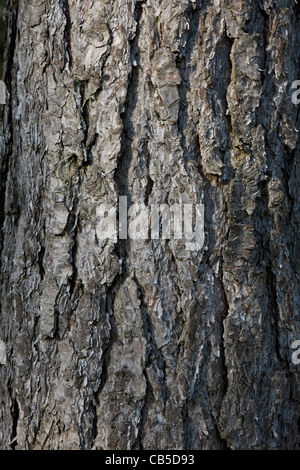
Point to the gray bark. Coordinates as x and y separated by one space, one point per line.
133 344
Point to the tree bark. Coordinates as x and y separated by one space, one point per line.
133 344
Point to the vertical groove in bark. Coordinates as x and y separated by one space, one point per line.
15 416
67 31
7 122
183 59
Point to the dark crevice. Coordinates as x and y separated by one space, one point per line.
148 400
223 72
36 430
157 34
56 324
6 154
94 429
90 139
181 319
263 226
84 107
108 342
188 428
81 434
65 304
273 309
264 44
224 382
153 352
86 120
149 186
183 63
222 442
12 30
41 255
153 355
15 418
103 76
227 50
125 155
210 208
223 79
121 176
67 32
87 428
122 247
224 371
74 223
265 218
74 290
286 172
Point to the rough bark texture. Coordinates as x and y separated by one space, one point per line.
133 344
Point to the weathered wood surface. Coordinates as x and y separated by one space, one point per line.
134 344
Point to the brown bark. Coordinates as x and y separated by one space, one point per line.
137 344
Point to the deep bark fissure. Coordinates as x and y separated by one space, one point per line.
224 370
83 107
122 247
188 427
87 438
222 442
125 156
74 228
181 320
104 61
148 401
152 353
40 258
121 176
8 114
150 183
15 419
228 43
67 31
107 349
208 195
84 112
263 218
263 223
185 69
74 283
264 41
274 309
94 430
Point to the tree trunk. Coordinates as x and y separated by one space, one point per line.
143 344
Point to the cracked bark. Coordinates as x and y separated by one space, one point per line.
132 344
